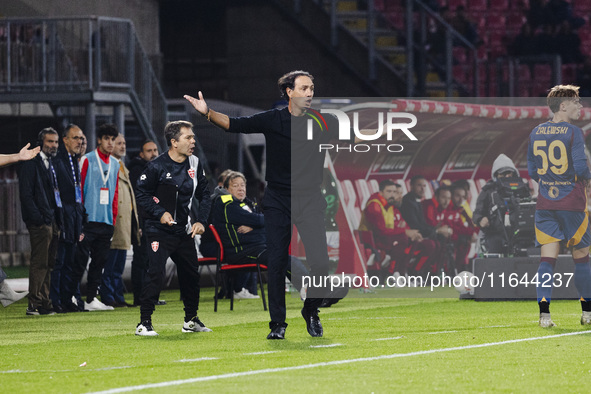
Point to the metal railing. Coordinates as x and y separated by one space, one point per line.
81 54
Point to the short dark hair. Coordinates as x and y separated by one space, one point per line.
460 184
288 81
107 129
69 127
146 142
172 130
560 93
43 133
231 176
385 183
441 189
416 178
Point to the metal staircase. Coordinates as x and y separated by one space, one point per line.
85 68
389 44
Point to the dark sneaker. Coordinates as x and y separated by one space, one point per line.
277 330
195 325
145 329
46 311
32 312
160 302
312 322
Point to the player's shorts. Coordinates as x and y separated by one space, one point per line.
569 226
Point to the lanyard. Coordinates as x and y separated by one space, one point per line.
103 175
53 173
73 170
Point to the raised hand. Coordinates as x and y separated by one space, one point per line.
198 103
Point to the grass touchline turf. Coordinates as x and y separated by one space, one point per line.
323 364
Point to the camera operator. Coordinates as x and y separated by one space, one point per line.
498 203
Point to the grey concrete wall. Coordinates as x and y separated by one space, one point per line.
143 13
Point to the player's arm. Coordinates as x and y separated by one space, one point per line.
373 214
578 155
238 216
532 168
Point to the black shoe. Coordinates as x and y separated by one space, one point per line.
334 297
32 311
59 309
70 307
160 302
46 311
312 322
277 330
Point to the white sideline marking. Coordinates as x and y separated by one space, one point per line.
388 339
331 345
257 353
324 364
441 332
507 325
190 360
67 370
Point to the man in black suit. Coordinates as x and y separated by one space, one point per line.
41 210
68 177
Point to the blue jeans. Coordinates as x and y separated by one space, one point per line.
112 282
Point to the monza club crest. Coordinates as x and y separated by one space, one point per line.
191 173
155 246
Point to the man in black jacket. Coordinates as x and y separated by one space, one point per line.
293 193
68 179
139 264
165 192
41 210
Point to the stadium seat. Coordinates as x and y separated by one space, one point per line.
363 192
569 73
459 55
374 186
495 22
453 4
499 5
396 19
228 268
478 5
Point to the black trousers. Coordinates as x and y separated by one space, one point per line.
139 268
96 244
307 213
183 253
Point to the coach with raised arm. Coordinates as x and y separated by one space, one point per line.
293 189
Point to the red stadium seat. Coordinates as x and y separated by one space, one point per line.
459 55
453 4
478 5
496 22
396 19
499 5
569 73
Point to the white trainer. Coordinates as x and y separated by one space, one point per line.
145 329
546 321
586 319
244 295
96 305
195 325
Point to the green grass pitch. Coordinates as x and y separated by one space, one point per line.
370 344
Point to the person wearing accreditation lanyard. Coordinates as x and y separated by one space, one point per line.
167 189
41 207
99 176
